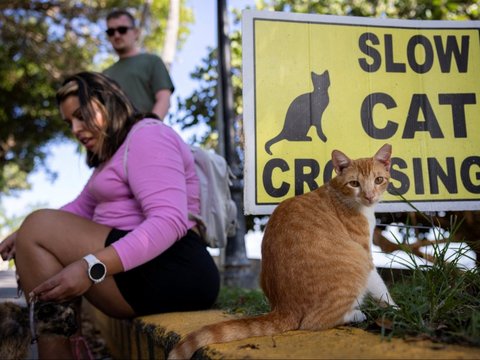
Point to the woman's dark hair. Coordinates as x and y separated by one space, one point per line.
117 111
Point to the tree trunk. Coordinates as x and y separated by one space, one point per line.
171 33
145 21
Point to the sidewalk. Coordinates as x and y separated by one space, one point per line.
8 288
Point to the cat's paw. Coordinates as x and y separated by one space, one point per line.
354 316
388 303
394 305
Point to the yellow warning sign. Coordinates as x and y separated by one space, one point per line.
315 83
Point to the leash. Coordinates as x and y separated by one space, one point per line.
33 327
80 348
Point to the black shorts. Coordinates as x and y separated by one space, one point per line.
183 278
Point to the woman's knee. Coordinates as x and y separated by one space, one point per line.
35 225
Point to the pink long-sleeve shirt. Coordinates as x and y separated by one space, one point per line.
151 196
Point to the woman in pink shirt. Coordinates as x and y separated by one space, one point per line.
126 242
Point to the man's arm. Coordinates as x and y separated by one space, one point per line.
162 103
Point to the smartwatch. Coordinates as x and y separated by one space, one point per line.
96 269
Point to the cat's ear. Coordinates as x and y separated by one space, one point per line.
340 161
383 155
326 75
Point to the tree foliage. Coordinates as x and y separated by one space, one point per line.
199 110
400 9
42 41
200 107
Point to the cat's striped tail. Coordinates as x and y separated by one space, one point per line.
264 325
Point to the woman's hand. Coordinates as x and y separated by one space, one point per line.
71 282
7 247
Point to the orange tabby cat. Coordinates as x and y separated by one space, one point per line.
316 259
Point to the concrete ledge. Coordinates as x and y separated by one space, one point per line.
151 337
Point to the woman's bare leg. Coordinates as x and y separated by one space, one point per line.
48 241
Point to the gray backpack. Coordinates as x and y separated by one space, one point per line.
218 212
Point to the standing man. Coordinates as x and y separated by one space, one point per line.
142 76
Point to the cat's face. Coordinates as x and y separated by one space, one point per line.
365 187
363 180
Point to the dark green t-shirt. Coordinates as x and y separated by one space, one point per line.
141 77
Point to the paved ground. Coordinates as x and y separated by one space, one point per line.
8 287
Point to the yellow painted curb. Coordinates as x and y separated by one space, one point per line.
153 336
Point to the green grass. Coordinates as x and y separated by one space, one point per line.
248 302
440 302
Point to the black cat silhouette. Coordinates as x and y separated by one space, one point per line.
305 111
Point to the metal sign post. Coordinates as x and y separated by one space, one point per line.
236 266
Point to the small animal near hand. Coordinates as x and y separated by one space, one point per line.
51 319
317 265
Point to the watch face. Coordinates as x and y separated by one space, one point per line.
97 271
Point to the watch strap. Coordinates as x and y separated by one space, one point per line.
92 261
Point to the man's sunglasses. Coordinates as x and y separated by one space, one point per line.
122 30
